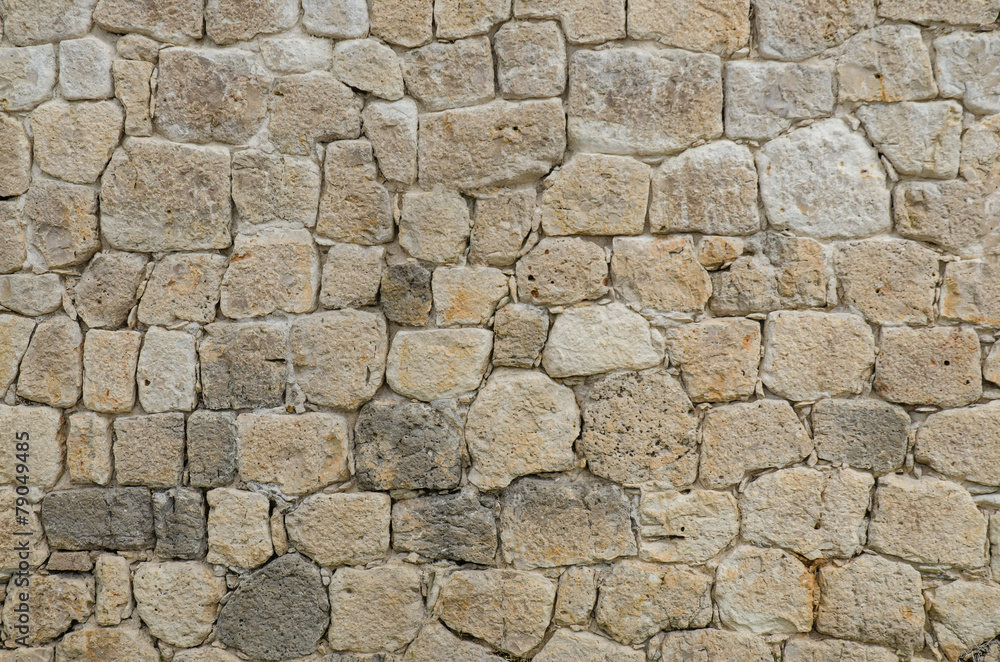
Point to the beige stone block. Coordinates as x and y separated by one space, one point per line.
183 287
178 600
74 141
239 531
764 591
434 225
354 207
686 527
52 367
467 295
274 270
561 271
341 529
718 358
931 366
720 26
660 273
594 194
109 362
438 363
588 340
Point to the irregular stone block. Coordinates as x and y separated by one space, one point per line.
718 359
920 139
594 339
19 520
519 333
109 362
955 215
74 141
351 276
99 518
586 22
962 443
531 59
596 194
122 643
15 173
716 645
113 601
764 591
965 64
721 26
405 294
341 19
52 370
274 270
392 129
370 66
868 434
132 89
448 526
662 273
149 450
991 367
796 30
765 98
85 69
674 99
182 287
211 448
341 529
27 23
803 649
969 291
178 601
403 22
55 602
179 522
354 207
434 225
275 189
239 532
41 428
467 295
28 75
175 21
88 448
692 527
15 333
204 654
569 646
576 596
561 271
294 54
890 282
438 363
311 108
450 75
243 365
375 610
976 12
11 235
228 21
436 643
502 221
967 612
933 366
63 218
31 294
455 19
886 63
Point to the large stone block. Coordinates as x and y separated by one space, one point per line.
890 282
88 448
274 189
434 225
955 215
108 288
436 643
450 75
405 293
965 615
74 141
720 26
239 533
375 610
178 600
167 371
270 271
569 646
686 527
585 22
795 30
971 291
27 76
930 366
966 67
867 434
27 22
920 139
592 339
109 363
41 428
594 194
15 173
765 98
718 358
716 646
32 294
211 448
964 443
764 591
438 363
531 59
118 518
54 603
149 450
887 63
15 334
64 221
392 129
310 108
467 295
520 331
243 365
502 221
121 643
179 522
173 21
562 271
406 23
52 367
228 21
662 273
354 207
448 526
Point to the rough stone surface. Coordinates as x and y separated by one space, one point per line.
55 602
716 646
796 30
930 366
64 221
16 169
449 526
311 108
566 645
28 23
967 612
764 591
594 194
456 19
867 434
74 141
434 225
802 649
242 365
692 527
502 221
718 359
360 522
41 426
576 596
369 65
275 189
403 22
149 450
30 294
11 234
392 129
890 282
15 334
211 448
178 600
720 26
962 443
561 271
97 518
14 539
354 207
467 295
765 98
88 448
109 362
125 643
238 529
132 88
113 599
969 291
450 75
228 21
341 19
351 276
177 21
179 522
531 59
954 215
594 339
275 270
108 288
660 273
520 331
436 643
405 294
920 139
964 65
585 22
439 363
886 63
296 54
182 287
28 75
52 367
375 610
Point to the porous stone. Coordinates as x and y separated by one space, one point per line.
920 139
456 19
476 602
15 334
824 181
211 448
158 196
27 76
660 273
239 532
674 99
12 252
569 646
969 291
351 276
132 89
15 173
965 64
434 225
54 601
873 600
74 141
403 22
810 355
805 27
502 221
175 21
718 358
405 294
204 654
438 363
341 19
179 523
867 434
354 207
765 98
282 611
976 12
886 63
275 189
27 23
182 287
955 215
375 610
178 601
63 219
392 129
369 65
720 26
803 649
243 365
586 22
638 599
274 270
965 615
531 59
109 362
314 107
30 294
710 189
52 367
113 600
890 282
23 546
686 527
467 295
448 526
294 54
341 529
300 454
519 333
592 339
123 643
962 443
85 69
640 427
546 523
99 518
561 271
749 436
450 74
88 448
436 643
764 591
927 521
931 366
228 21
149 450
406 445
43 427
716 646
595 194
459 147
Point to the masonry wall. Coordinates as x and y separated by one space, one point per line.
456 331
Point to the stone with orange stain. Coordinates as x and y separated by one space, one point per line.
595 194
467 295
239 528
109 362
274 270
561 271
887 63
73 141
929 366
765 591
718 358
438 363
660 273
52 367
971 291
63 222
965 614
15 333
117 643
889 281
108 290
719 252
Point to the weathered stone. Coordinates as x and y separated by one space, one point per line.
890 282
436 643
933 366
710 189
765 98
204 654
113 601
51 370
439 363
639 599
576 596
519 332
405 294
182 287
157 196
42 425
805 27
132 89
118 643
477 603
273 270
300 454
282 611
149 450
450 75
467 295
927 521
715 646
803 649
954 215
640 427
12 252
85 69
435 226
811 355
561 271
718 358
886 63
969 291
991 366
177 21
569 646
74 141
27 76
99 518
295 54
275 189
392 129
311 108
673 100
138 47
27 23
548 523
55 602
521 423
596 194
63 218
341 19
228 21
460 147
764 591
403 22
239 532
531 58
660 273
341 529
31 294
749 436
502 222
179 522
976 12
965 64
17 521
968 612
211 448
351 276
586 22
920 139
375 610
406 446
868 434
88 448
370 66
456 19
824 181
15 333
962 443
449 526
109 362
981 152
594 339
873 600
243 365
689 527
15 173
178 601
354 207
720 26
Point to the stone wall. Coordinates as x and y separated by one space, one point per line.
481 330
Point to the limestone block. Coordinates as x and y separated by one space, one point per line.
456 19
243 365
292 54
15 173
587 22
561 271
406 23
889 281
438 363
765 98
74 141
126 643
969 292
132 89
405 294
967 612
370 66
933 366
239 532
796 30
594 194
501 222
354 207
867 434
167 371
448 526
27 23
182 287
55 602
178 600
375 610
778 272
803 649
15 333
11 234
28 75
340 19
43 427
211 448
274 270
30 294
341 529
113 601
569 646
592 339
531 59
351 276
450 74
310 108
467 295
886 63
692 527
275 189
955 215
519 334
109 363
88 448
392 129
965 65
174 21
434 225
179 523
962 443
99 518
662 273
576 596
149 450
764 591
85 69
718 358
63 219
718 646
52 367
720 26
920 139
228 21
436 643
981 151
